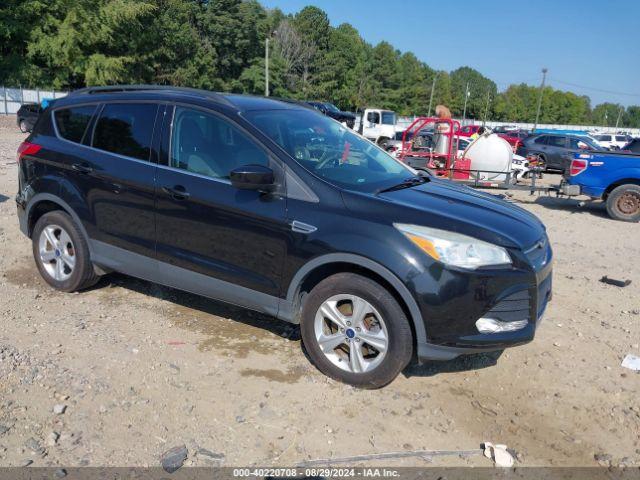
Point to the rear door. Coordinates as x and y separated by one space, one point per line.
556 148
117 175
212 238
538 145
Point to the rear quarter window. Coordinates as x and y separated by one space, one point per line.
126 129
72 122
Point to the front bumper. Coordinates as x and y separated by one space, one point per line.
452 305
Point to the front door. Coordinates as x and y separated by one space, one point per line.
212 238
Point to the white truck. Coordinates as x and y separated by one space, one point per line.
377 125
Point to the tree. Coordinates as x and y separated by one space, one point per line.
606 114
632 117
296 54
220 45
479 86
90 42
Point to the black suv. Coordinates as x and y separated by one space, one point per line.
27 115
277 208
330 110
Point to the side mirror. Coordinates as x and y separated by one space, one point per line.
253 177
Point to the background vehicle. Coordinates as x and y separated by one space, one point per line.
377 125
330 110
613 177
552 149
27 115
468 130
514 137
271 206
632 146
612 141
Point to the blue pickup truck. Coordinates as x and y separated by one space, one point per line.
613 177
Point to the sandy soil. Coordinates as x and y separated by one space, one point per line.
141 368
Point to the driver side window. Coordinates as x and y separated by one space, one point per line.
208 145
373 117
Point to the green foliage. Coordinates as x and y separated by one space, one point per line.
220 45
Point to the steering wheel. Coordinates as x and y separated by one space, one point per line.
326 157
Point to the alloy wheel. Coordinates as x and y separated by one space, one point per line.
351 333
57 253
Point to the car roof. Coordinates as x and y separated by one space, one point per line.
236 102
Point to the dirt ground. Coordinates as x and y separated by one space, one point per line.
137 368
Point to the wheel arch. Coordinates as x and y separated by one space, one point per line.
619 183
42 203
320 267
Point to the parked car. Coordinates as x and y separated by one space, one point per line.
553 149
274 207
394 145
27 115
515 137
632 146
613 177
468 130
330 110
612 141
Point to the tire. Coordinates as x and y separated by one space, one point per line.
623 203
376 369
61 253
23 126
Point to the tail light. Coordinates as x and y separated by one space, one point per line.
27 148
577 166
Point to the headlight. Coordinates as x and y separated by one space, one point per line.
453 248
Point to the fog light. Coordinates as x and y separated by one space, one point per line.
491 325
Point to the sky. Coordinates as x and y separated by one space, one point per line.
589 47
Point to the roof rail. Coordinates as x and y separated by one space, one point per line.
142 88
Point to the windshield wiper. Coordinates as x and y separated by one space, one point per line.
406 183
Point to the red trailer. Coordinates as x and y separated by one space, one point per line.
439 153
431 143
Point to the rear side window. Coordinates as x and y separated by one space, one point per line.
621 138
126 129
557 141
72 122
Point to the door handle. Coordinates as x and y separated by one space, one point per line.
79 167
178 192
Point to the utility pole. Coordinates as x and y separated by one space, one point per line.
266 67
619 115
544 77
466 97
486 109
433 87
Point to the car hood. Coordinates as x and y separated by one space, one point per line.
449 206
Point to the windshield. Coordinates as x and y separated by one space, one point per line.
388 118
330 150
332 108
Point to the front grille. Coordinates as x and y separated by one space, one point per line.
512 308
